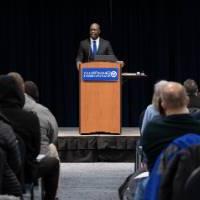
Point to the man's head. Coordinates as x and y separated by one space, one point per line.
94 31
32 90
157 92
174 99
18 78
191 87
11 93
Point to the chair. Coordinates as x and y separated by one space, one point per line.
194 110
173 168
192 185
29 191
30 187
139 149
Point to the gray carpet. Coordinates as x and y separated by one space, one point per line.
92 181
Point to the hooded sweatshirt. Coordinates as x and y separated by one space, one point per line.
25 124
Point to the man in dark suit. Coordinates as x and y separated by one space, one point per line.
93 46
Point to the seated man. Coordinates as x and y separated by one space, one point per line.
26 125
48 123
177 121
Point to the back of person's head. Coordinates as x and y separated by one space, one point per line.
191 87
18 78
11 95
32 90
157 92
174 96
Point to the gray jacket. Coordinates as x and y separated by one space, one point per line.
48 123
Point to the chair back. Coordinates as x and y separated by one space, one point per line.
192 185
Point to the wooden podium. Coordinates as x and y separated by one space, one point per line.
100 101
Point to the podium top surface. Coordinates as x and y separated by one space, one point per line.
106 58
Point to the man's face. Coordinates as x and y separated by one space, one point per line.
94 31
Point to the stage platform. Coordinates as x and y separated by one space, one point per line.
73 147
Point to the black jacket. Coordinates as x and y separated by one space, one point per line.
10 159
9 143
160 132
25 124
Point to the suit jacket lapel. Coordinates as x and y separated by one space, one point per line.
100 46
89 47
88 44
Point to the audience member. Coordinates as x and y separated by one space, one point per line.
32 90
153 109
163 130
192 91
48 123
26 124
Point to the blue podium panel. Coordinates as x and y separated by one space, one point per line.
100 74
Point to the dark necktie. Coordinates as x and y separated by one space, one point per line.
94 48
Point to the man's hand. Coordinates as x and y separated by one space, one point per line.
78 64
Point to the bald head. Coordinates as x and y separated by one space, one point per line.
174 96
94 31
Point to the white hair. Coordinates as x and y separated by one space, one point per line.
157 92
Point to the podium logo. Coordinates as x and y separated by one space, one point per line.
100 74
113 74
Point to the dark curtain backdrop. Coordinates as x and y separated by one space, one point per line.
39 39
